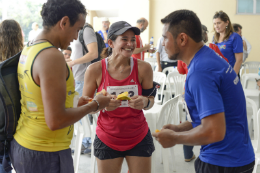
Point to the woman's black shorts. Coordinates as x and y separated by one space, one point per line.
143 149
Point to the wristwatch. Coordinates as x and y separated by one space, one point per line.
148 104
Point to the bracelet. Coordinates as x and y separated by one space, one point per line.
97 104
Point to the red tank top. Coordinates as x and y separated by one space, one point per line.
123 128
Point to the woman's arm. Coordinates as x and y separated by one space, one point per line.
239 60
145 75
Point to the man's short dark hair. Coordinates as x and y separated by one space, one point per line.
184 21
55 10
236 26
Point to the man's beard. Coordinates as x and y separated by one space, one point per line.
174 57
177 50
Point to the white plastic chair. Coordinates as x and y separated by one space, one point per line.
160 78
256 143
152 62
174 84
168 115
251 118
169 69
250 72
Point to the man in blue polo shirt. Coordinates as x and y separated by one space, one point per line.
215 100
103 32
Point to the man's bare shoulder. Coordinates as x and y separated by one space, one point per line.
49 60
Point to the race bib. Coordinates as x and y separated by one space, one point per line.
116 90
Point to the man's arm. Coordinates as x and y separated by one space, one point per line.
91 55
50 73
211 130
139 50
239 60
158 62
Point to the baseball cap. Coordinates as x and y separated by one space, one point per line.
121 27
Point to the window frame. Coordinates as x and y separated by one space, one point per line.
254 9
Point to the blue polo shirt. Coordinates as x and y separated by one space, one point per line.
229 47
101 33
211 87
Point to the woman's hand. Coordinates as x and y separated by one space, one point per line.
138 102
113 104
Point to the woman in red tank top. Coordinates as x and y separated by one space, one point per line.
122 130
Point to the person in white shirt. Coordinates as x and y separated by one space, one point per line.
34 32
162 57
246 45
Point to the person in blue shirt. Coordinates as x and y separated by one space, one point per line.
229 42
215 100
103 32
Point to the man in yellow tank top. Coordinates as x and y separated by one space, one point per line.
45 128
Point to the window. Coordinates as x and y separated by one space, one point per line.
248 6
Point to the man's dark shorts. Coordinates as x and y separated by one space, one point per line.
202 167
143 149
30 161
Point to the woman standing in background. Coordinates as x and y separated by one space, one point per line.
11 43
229 42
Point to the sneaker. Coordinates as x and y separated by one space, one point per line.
188 160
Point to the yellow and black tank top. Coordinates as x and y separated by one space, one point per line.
32 131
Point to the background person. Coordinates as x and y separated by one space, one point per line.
103 32
122 131
140 50
67 54
162 57
229 43
212 91
34 32
11 43
246 45
79 64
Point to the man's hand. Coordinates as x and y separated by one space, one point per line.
68 60
138 102
70 63
166 138
84 100
152 50
147 47
103 100
159 68
113 104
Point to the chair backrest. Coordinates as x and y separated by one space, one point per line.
252 104
160 78
152 62
257 129
169 69
169 113
176 82
252 66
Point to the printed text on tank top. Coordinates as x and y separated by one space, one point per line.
132 89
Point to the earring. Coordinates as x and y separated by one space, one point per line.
226 27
